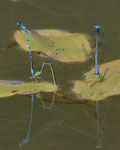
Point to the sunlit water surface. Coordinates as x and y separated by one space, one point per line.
65 126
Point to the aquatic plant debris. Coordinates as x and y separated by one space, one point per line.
99 88
10 88
50 42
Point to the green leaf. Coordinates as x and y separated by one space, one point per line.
9 88
99 88
63 46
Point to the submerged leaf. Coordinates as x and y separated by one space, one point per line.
99 88
52 42
9 88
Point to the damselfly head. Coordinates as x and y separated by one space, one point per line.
18 23
97 27
22 26
102 46
93 37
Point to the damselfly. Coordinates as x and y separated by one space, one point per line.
102 52
50 43
24 27
97 29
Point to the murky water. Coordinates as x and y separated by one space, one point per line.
65 126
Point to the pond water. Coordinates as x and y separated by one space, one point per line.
65 126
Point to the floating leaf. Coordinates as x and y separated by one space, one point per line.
9 88
99 88
51 42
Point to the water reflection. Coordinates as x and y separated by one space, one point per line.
48 124
44 104
21 144
53 122
99 141
45 127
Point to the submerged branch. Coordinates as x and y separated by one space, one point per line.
11 44
69 100
80 131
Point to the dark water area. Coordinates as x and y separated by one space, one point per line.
65 126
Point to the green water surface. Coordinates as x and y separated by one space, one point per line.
65 126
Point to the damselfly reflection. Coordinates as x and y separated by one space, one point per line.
25 141
49 124
49 106
99 140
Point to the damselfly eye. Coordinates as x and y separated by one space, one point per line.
97 27
18 23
